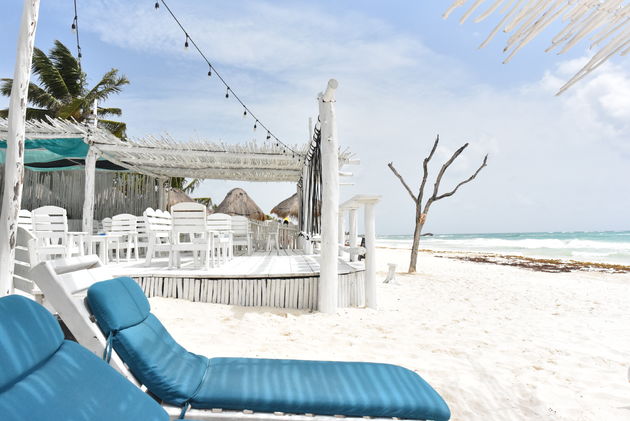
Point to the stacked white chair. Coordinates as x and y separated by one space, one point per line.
241 235
221 225
125 225
159 225
25 219
50 226
26 257
191 233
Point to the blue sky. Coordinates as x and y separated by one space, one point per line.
556 163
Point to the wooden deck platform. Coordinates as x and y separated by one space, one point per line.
285 279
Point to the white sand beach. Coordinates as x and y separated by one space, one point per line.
498 343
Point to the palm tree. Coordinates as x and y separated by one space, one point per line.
63 92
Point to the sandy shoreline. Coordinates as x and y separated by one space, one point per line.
498 342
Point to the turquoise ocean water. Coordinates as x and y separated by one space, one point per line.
605 247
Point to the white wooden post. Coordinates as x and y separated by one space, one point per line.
90 179
328 277
352 221
370 256
161 194
14 163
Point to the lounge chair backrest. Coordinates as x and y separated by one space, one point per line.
153 356
220 222
188 218
44 377
240 225
124 223
25 219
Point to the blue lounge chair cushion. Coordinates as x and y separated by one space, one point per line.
319 387
150 352
160 363
131 309
69 383
27 337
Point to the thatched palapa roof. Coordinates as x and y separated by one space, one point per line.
288 208
176 196
238 202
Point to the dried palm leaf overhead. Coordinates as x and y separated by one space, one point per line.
606 23
238 202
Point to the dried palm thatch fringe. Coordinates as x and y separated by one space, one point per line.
289 207
605 22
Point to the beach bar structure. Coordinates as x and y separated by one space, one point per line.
323 282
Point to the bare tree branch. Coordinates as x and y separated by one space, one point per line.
425 170
469 179
447 164
391 167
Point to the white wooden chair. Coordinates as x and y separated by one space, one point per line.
25 259
50 226
190 233
25 219
221 225
272 228
241 235
159 225
126 226
143 235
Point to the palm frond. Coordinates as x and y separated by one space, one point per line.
192 185
5 86
110 83
38 114
68 67
109 111
73 109
36 95
49 76
117 128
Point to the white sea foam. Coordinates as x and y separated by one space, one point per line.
610 247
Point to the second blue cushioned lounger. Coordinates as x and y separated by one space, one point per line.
179 377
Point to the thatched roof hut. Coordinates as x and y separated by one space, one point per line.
176 196
288 208
238 202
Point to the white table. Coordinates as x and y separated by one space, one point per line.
103 241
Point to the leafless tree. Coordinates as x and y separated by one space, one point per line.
422 211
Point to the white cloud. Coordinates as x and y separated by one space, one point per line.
556 163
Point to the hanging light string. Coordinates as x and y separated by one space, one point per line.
75 29
229 92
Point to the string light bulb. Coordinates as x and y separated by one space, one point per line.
244 113
255 125
74 24
268 135
210 71
157 4
186 43
227 92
